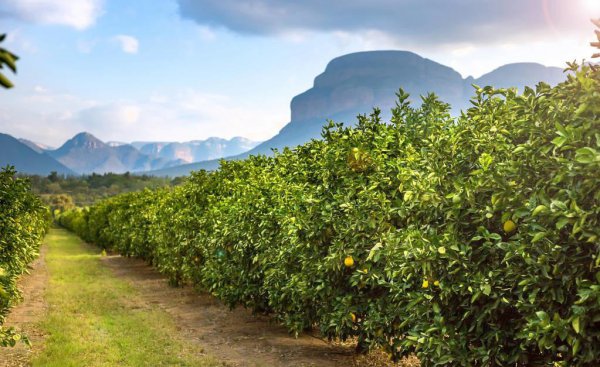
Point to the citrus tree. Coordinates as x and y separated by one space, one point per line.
23 223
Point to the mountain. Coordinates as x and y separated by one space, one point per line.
353 84
38 147
85 154
520 75
196 150
26 160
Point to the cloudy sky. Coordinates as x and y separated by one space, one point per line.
128 70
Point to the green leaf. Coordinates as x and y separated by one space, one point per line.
486 289
586 155
576 324
562 222
581 109
561 130
518 149
538 236
539 209
374 250
5 82
576 346
559 141
9 60
542 315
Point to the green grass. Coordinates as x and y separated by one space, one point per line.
91 321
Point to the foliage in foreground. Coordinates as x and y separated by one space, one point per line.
23 223
9 60
469 241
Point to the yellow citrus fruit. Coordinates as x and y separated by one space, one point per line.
352 316
509 226
355 150
349 261
425 284
436 283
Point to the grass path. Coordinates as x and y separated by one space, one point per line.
93 319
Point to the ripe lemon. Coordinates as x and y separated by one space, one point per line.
425 284
509 226
436 283
352 316
349 261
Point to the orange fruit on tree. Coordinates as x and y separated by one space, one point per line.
349 261
509 226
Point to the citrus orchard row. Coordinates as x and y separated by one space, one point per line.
468 241
23 223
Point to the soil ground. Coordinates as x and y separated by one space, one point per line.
28 314
235 336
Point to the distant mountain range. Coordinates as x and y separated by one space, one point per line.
196 150
27 160
86 154
353 84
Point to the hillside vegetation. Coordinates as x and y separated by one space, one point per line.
467 241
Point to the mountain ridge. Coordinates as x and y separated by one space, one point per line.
84 153
26 160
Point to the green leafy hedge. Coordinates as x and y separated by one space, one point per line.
23 223
469 241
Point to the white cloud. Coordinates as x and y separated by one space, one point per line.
79 14
119 115
129 44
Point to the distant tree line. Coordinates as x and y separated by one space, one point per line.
65 192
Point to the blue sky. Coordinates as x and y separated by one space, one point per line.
128 70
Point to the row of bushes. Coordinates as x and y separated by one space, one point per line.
23 223
468 241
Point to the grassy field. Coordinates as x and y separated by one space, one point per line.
95 319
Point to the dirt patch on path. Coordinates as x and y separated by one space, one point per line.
27 314
234 336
